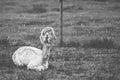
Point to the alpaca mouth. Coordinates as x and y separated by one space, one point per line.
47 42
50 41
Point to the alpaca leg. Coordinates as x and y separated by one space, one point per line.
42 67
30 66
39 68
46 65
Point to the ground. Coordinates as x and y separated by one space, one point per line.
91 49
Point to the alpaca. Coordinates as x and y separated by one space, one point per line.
35 58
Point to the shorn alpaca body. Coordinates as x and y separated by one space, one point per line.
35 58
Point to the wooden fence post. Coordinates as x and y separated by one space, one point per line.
61 22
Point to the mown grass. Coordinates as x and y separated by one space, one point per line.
91 39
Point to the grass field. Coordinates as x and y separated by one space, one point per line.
91 48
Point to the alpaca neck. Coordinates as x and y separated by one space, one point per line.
46 51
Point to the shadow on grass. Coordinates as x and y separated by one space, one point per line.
102 43
4 42
69 8
106 43
38 8
71 44
38 23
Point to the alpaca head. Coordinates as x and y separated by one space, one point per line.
47 36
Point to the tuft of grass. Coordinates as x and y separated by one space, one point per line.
107 43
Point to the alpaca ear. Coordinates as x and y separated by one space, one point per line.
42 39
